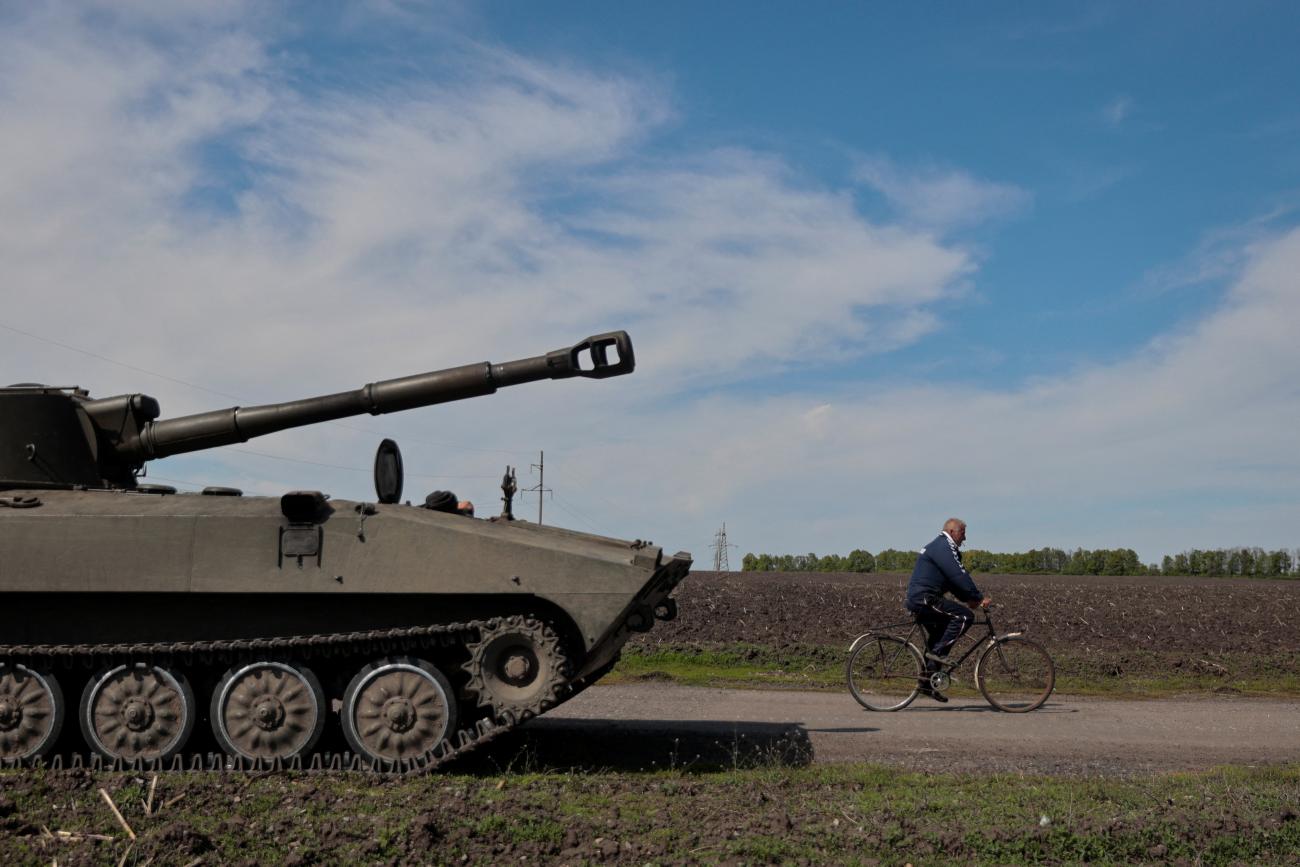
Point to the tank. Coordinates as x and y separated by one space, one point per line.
141 624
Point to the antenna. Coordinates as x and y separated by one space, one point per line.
720 546
539 488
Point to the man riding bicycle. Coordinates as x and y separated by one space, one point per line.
938 571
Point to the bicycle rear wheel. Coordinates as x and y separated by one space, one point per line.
1015 674
884 673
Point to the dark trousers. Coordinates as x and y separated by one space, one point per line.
943 620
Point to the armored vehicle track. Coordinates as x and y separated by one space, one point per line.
398 713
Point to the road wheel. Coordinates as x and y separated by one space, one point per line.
884 672
268 710
396 709
517 667
31 712
137 711
1015 674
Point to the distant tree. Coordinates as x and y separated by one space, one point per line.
860 561
803 563
1248 562
830 563
1081 561
892 560
1113 563
758 563
1078 562
1248 559
976 560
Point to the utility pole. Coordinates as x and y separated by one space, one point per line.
540 488
720 546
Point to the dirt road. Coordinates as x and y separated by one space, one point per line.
660 725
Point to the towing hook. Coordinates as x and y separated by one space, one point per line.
641 619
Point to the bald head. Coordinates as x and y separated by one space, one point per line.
956 529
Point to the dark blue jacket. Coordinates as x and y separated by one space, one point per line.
938 571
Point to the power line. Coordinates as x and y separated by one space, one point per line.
237 399
582 516
539 489
571 513
592 489
351 469
118 363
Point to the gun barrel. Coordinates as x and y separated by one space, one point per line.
597 357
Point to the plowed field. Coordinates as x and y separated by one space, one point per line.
1097 627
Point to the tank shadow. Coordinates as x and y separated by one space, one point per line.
642 746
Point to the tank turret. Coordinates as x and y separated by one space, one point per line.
55 437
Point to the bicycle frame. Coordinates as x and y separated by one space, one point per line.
1012 688
991 638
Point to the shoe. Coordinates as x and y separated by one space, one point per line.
934 657
933 693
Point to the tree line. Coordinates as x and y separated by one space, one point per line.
1215 562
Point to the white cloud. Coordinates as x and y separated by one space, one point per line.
507 201
1118 110
941 197
513 208
1161 453
1220 253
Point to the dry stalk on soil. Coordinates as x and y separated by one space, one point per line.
108 799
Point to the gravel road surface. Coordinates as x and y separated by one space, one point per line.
660 725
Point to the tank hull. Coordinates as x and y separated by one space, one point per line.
214 581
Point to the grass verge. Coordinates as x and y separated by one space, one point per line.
1117 675
850 814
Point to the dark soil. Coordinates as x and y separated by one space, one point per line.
1101 626
1119 613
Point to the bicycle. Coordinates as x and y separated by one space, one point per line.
885 672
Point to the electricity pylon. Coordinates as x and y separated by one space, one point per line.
720 546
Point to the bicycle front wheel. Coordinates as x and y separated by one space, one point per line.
1015 675
884 673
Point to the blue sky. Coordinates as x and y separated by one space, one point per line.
1028 264
1131 130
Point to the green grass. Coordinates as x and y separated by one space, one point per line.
851 814
817 667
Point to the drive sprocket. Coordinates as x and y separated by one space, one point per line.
517 668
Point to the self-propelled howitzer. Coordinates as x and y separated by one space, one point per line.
152 617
